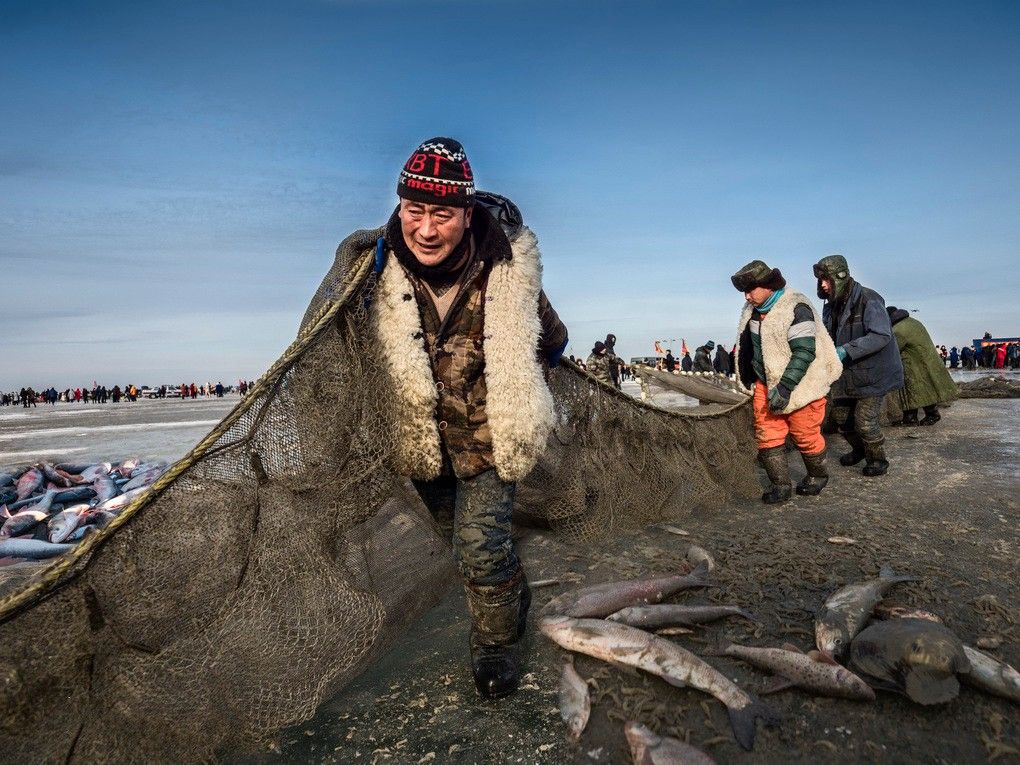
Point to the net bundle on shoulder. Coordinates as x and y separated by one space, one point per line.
282 555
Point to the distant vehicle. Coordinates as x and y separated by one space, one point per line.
648 361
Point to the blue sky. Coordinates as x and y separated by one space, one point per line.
175 176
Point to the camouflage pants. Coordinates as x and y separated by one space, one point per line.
480 511
859 419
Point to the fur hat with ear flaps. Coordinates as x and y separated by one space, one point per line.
758 274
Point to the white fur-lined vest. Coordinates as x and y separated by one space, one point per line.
821 373
518 407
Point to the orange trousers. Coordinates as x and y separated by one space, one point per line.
805 424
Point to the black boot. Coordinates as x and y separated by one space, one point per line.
877 463
931 415
856 453
778 470
910 418
817 474
496 624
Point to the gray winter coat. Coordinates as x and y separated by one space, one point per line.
872 366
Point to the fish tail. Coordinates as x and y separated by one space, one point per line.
700 575
742 720
887 573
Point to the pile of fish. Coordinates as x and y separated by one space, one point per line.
907 651
46 509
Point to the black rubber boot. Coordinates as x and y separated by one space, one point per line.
817 475
877 463
910 418
496 625
777 468
931 415
856 453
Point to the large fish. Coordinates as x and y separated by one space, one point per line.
815 671
76 494
605 599
105 488
37 502
620 644
648 749
846 611
670 615
125 467
161 465
22 523
89 474
575 702
6 479
143 479
991 675
30 482
54 476
8 495
63 524
31 548
121 500
917 657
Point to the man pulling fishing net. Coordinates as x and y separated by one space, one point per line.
466 336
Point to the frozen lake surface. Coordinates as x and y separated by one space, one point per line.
152 428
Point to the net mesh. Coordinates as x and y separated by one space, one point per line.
281 556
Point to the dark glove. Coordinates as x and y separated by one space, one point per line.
552 358
779 399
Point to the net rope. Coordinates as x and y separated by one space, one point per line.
282 555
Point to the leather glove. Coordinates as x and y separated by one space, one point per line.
779 399
841 352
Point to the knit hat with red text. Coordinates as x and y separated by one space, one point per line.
438 173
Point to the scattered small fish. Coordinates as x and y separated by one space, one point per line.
991 675
670 615
917 657
646 748
847 609
620 644
883 611
815 671
575 703
604 599
841 540
31 548
674 530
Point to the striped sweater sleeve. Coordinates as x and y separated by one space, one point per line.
802 345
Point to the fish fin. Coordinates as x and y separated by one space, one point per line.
926 686
742 721
823 658
887 573
775 684
791 647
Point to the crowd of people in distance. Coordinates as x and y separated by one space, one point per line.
101 394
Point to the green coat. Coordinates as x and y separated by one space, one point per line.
926 379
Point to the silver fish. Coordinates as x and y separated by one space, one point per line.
125 467
160 465
143 479
697 555
61 525
121 500
991 675
671 615
648 749
31 548
604 599
89 474
815 671
54 476
30 482
917 657
105 488
620 644
22 523
847 609
575 703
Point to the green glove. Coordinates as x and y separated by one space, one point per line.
779 399
841 352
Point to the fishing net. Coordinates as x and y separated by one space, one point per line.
277 560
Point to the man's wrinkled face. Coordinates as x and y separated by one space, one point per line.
431 232
758 295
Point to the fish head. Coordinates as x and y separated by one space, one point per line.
554 624
832 638
641 741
